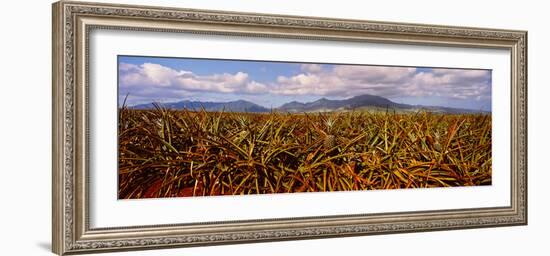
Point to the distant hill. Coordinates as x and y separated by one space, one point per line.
361 102
232 106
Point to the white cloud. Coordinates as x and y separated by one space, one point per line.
348 80
452 83
157 81
311 68
150 75
374 74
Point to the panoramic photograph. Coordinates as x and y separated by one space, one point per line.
191 127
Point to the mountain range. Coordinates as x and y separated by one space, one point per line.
361 102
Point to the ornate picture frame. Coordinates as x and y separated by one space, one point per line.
74 21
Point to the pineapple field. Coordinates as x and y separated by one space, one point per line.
184 153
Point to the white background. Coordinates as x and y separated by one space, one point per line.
26 115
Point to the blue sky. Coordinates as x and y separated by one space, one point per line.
271 84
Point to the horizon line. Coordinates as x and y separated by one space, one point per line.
322 97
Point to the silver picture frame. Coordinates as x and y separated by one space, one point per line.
72 23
